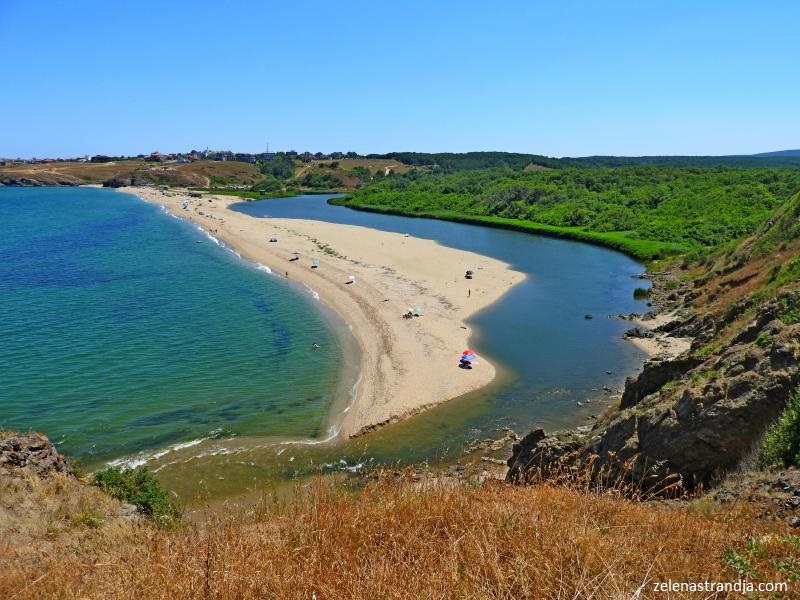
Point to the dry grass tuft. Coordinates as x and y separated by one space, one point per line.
397 540
57 516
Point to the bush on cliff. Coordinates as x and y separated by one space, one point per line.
139 487
782 442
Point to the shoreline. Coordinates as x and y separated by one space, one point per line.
406 365
661 346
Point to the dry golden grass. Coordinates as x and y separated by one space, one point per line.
78 173
398 540
41 518
241 172
188 174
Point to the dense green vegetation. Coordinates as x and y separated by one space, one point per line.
324 181
645 211
139 487
782 442
734 161
450 162
279 168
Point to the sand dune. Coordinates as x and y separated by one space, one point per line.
407 364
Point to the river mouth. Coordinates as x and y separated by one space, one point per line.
556 368
552 362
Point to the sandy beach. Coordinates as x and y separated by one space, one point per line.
407 365
661 346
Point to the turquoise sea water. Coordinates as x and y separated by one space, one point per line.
119 333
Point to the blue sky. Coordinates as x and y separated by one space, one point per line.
556 78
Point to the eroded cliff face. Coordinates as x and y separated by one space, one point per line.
698 415
701 414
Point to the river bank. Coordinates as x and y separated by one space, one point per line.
407 365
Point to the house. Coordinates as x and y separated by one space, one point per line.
155 157
244 157
266 156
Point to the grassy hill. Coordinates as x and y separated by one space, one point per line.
780 153
73 173
245 179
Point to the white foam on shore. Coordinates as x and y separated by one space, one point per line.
164 209
353 394
312 291
208 235
132 462
264 268
343 466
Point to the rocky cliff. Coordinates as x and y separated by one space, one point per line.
31 454
702 413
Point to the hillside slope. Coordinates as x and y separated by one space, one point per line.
199 174
389 537
701 414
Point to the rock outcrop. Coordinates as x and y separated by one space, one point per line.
32 453
50 180
21 182
117 182
696 416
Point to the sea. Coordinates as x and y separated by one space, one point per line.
125 332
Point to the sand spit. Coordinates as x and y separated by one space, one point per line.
407 364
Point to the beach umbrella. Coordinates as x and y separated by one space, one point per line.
468 351
468 357
315 262
418 310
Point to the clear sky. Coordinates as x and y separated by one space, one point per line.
557 78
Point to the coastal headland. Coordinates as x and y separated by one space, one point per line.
371 278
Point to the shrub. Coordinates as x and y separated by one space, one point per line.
782 442
641 292
789 310
139 487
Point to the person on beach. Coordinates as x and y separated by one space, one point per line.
287 274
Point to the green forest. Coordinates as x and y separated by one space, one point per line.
646 211
451 162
